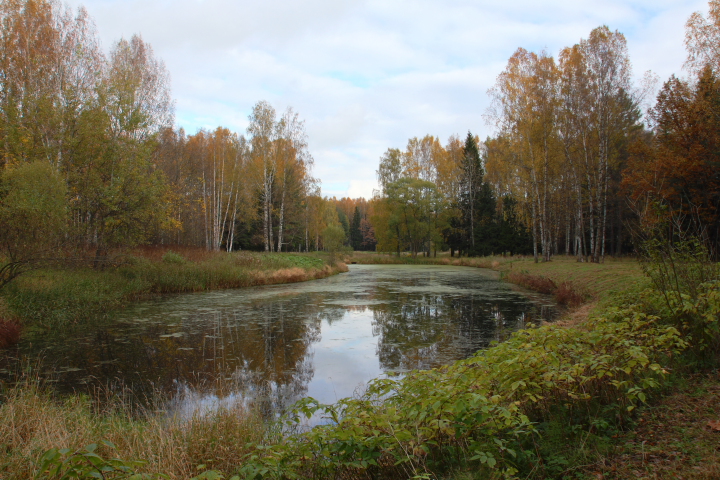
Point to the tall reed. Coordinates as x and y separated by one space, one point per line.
32 421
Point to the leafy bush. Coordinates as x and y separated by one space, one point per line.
687 283
484 413
64 464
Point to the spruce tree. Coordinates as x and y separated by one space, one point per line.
355 233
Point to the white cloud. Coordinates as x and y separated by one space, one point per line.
368 75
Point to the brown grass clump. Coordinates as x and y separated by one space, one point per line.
288 275
10 331
565 294
31 422
537 283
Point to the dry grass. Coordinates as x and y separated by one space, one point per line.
576 316
295 274
537 283
567 294
676 438
31 422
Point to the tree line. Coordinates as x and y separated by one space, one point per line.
90 159
575 166
434 197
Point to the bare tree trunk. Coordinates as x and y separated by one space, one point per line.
280 222
205 215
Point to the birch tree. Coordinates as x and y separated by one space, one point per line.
262 132
525 104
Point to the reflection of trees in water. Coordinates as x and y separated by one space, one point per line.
426 331
332 315
275 365
262 349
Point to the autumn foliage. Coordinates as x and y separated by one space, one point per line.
674 179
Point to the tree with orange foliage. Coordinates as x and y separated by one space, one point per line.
674 180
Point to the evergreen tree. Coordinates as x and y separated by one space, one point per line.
470 184
355 233
512 235
476 232
345 224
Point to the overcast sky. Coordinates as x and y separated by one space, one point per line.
368 75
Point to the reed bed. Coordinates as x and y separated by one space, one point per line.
32 421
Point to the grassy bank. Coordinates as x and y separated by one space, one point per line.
571 282
555 401
60 297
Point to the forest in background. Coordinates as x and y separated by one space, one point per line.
575 167
91 161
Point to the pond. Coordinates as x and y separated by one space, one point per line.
273 345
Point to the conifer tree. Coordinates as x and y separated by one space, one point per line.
355 233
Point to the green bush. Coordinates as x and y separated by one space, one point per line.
486 414
173 258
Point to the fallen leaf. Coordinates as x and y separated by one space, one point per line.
714 424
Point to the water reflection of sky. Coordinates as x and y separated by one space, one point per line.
345 358
272 345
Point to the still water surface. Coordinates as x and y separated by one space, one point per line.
273 345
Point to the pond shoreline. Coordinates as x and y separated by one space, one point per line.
613 289
57 298
321 339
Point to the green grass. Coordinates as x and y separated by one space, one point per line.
600 280
595 281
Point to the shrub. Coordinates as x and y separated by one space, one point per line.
483 414
173 258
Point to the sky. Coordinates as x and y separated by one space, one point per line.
366 76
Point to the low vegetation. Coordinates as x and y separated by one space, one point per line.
31 420
520 408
